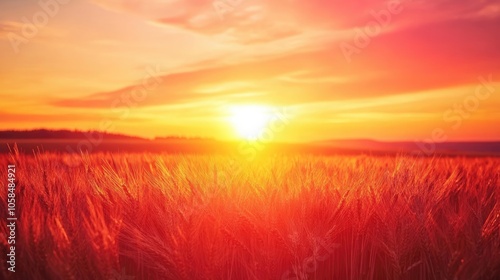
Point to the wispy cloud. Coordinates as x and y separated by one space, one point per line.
7 27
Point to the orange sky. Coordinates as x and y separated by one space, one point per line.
370 69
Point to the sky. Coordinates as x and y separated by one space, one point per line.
385 70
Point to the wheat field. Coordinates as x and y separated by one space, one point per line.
159 216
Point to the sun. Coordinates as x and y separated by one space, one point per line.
250 120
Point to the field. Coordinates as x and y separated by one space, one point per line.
158 216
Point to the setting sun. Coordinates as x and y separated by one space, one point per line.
250 121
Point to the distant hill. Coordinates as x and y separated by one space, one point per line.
182 138
46 134
65 140
61 134
95 141
486 147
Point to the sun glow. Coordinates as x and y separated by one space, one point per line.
251 120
